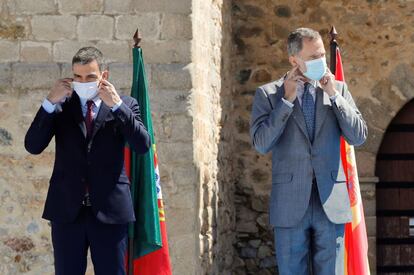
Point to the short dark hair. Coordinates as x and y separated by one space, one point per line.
295 39
86 55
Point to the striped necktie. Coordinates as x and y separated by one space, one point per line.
89 118
308 109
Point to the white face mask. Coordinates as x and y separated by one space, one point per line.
87 90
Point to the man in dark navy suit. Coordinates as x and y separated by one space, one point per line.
89 202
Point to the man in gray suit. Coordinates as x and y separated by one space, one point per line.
300 119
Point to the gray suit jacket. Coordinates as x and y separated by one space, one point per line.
277 128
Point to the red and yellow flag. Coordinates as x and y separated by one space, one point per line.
356 241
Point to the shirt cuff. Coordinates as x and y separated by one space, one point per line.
116 106
333 98
288 103
48 106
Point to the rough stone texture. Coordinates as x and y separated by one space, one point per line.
34 7
148 24
95 27
211 79
9 51
63 51
380 84
80 7
35 52
53 27
205 58
38 41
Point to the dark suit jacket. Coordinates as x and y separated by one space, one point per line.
97 163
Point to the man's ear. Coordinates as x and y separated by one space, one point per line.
292 61
105 75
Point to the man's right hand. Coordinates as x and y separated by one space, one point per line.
60 90
291 83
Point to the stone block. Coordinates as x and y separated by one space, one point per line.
366 162
183 252
120 75
5 75
175 152
177 6
9 51
171 76
35 51
14 27
118 7
81 6
173 127
115 51
34 76
371 224
64 51
147 23
166 51
53 27
66 70
96 27
170 101
180 203
176 27
34 7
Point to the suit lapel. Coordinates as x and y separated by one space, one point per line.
297 114
321 109
76 111
300 119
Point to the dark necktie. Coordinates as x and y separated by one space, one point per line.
89 118
308 109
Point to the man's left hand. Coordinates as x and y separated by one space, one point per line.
108 94
328 83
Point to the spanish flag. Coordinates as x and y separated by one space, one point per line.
356 242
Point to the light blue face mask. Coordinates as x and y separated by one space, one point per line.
315 69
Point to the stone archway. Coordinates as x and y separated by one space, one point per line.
395 195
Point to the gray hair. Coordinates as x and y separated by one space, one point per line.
295 39
86 55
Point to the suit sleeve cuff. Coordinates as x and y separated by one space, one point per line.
334 97
116 106
48 106
288 103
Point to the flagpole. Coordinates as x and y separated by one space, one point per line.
333 46
137 41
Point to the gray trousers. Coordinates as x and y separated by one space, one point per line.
314 246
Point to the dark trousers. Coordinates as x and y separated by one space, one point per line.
107 243
314 246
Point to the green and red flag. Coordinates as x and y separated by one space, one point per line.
148 247
355 239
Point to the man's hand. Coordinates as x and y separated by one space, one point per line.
291 83
108 94
328 83
60 90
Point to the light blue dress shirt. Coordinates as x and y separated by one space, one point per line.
300 89
50 107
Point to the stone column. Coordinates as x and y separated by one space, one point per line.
367 186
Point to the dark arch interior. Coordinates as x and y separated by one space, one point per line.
395 195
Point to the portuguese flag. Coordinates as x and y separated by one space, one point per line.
356 242
148 247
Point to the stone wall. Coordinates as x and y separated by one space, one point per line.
204 62
376 40
37 42
211 98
